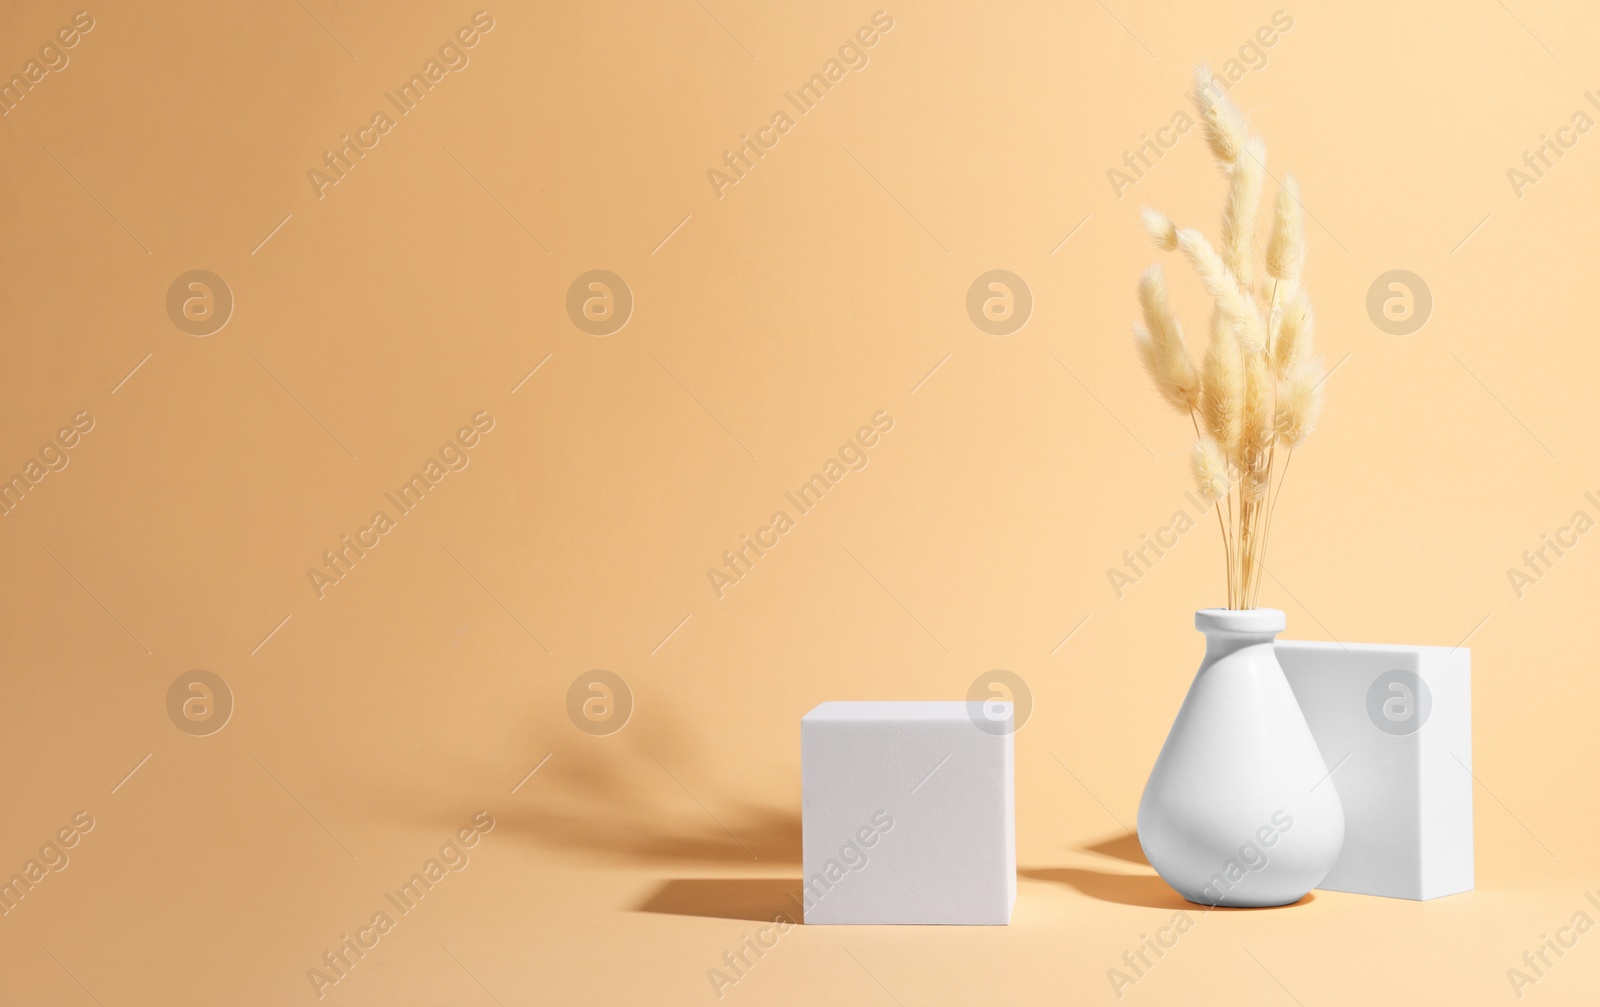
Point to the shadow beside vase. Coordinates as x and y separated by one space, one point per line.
1146 890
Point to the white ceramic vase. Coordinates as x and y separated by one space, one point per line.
1240 809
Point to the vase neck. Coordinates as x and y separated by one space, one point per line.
1231 630
1220 645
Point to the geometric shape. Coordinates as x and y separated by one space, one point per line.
907 813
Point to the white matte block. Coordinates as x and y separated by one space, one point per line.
907 813
1395 726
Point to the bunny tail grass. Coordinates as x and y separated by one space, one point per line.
1161 346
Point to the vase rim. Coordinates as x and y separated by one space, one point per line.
1240 620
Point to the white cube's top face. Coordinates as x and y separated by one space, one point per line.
1387 651
910 710
907 813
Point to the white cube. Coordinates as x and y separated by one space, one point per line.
1395 727
907 813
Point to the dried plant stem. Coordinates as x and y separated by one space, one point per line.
1227 546
1234 569
1264 511
1248 557
1246 509
1244 554
1263 518
1233 554
1255 548
1272 507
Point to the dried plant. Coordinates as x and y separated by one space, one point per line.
1258 389
1161 345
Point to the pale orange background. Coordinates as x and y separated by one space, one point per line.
822 288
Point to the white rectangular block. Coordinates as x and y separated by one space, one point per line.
1394 725
907 813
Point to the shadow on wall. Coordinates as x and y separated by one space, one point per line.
644 794
754 834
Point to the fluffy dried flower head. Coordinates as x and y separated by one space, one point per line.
1292 343
1232 304
1300 402
1225 127
1222 387
1240 212
1286 247
1210 469
1161 345
1256 426
1160 229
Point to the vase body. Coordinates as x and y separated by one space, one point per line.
1240 809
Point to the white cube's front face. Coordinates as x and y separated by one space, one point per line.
1395 725
907 814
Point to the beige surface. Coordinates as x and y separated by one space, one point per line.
819 290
